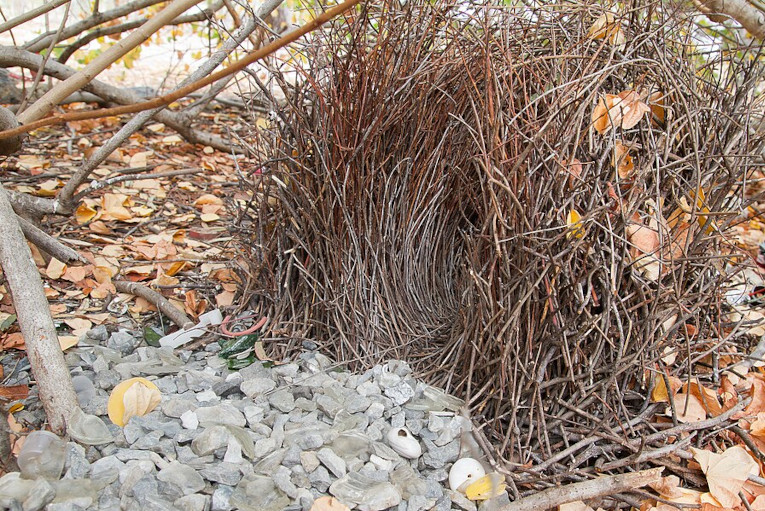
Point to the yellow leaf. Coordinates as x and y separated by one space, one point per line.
489 486
659 393
575 225
209 217
84 214
133 397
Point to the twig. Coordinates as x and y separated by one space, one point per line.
600 487
176 315
31 118
119 179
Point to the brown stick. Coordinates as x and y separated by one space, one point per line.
600 487
176 315
180 93
48 243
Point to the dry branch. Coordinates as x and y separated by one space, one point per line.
599 487
43 350
31 14
161 101
176 315
43 40
76 82
742 11
49 244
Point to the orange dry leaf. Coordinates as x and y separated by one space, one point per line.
656 103
77 274
622 160
14 340
55 269
757 393
707 397
624 110
726 472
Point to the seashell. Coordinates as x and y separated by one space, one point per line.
464 472
402 441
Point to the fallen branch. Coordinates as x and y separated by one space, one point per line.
119 179
600 487
43 350
48 243
178 121
176 315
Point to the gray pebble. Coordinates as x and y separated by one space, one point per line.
223 473
332 461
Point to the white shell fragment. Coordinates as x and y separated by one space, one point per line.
402 441
464 472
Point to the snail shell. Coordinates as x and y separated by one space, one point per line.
403 442
464 472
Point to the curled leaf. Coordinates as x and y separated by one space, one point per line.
608 27
133 397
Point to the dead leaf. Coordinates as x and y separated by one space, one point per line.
114 206
224 298
726 472
608 27
76 274
659 393
622 161
10 393
688 408
131 398
574 224
68 341
707 397
328 504
624 110
208 198
656 103
55 269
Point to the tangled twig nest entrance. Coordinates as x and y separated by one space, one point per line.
434 190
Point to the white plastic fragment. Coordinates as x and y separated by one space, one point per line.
182 336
